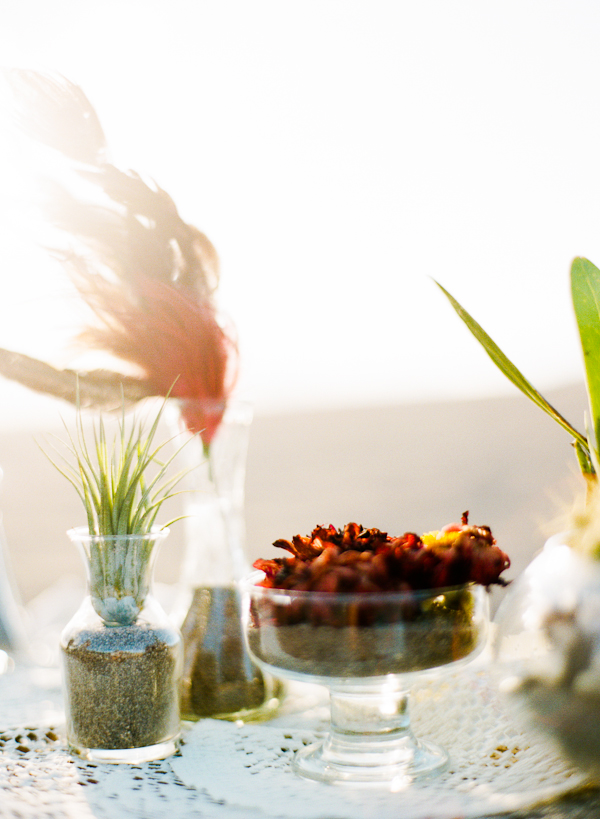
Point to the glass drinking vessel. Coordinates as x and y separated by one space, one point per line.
367 649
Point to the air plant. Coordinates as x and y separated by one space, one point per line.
122 483
148 277
585 291
111 477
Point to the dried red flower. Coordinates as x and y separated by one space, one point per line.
354 559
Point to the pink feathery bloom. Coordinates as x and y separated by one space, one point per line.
175 340
148 276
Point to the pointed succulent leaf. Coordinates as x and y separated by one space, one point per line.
593 449
511 372
584 460
585 290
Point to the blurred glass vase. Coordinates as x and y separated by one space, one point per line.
547 651
219 678
13 637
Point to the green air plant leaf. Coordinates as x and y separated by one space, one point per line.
121 482
518 379
585 290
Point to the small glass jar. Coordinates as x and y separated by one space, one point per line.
122 657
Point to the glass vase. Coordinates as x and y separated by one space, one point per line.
122 657
547 651
219 677
13 638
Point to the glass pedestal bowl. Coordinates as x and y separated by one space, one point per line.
366 648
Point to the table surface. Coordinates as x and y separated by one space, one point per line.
38 776
225 771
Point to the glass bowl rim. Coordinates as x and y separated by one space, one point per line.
249 585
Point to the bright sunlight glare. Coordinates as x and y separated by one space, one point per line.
339 155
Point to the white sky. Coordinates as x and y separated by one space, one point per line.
339 154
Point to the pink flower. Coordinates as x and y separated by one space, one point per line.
173 337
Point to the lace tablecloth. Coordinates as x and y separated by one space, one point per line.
225 770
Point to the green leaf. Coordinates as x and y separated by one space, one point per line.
511 372
585 290
122 482
584 460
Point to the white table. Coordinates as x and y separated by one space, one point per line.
226 771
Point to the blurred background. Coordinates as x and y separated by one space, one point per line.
340 154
